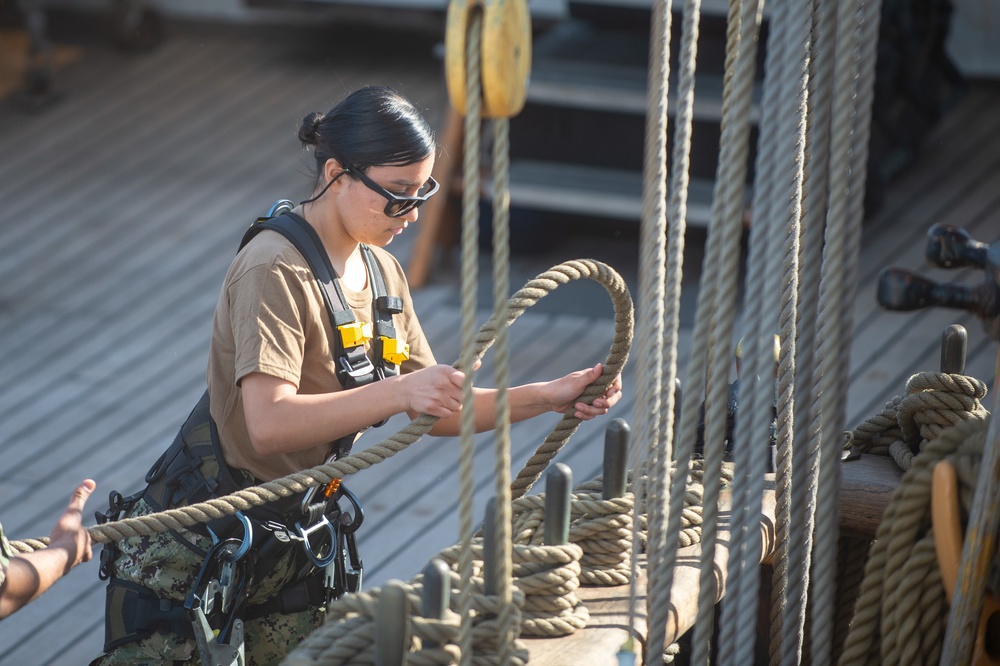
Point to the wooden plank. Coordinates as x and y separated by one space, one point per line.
866 488
601 639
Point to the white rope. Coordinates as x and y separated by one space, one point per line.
469 285
756 387
850 124
501 292
793 138
713 319
805 470
650 327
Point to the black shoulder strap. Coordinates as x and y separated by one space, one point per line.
384 307
352 364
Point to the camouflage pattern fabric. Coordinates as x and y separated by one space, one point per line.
168 566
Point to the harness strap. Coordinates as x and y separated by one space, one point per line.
385 306
134 612
353 366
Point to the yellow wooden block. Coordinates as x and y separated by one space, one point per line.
505 53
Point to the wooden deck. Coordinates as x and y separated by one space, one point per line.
125 201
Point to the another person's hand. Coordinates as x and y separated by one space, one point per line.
565 391
69 532
31 574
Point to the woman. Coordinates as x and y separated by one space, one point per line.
273 384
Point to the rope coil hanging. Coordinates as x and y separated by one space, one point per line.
895 621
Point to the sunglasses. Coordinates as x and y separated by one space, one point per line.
396 205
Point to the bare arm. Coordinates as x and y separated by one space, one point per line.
280 420
31 574
530 400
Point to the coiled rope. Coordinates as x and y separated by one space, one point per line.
933 402
895 621
545 578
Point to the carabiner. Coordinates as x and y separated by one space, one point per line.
305 532
234 555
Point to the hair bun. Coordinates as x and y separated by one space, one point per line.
309 131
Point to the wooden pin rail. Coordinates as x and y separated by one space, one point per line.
867 485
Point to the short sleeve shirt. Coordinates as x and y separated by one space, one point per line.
271 318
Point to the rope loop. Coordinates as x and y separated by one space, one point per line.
271 491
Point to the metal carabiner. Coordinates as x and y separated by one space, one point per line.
358 515
305 532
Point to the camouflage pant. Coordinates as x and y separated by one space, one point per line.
169 567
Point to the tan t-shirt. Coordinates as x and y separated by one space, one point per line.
271 318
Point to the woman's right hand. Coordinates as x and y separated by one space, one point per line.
435 390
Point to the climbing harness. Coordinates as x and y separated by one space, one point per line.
353 366
322 523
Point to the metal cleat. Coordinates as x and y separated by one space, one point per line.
948 247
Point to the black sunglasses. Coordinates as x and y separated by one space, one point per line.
396 205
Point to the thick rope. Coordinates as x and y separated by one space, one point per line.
472 125
794 506
850 123
601 528
652 259
756 391
895 621
549 577
717 295
348 634
933 402
271 491
501 287
530 294
805 474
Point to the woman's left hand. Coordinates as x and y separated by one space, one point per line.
567 390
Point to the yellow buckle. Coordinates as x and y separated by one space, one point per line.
394 350
355 333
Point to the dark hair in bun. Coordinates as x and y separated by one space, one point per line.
373 126
309 131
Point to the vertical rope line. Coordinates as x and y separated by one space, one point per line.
757 373
651 285
833 284
469 281
814 202
725 233
865 47
501 293
867 55
677 229
793 139
756 386
684 118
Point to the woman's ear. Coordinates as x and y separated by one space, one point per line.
331 169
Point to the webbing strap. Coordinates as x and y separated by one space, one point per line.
383 308
353 366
